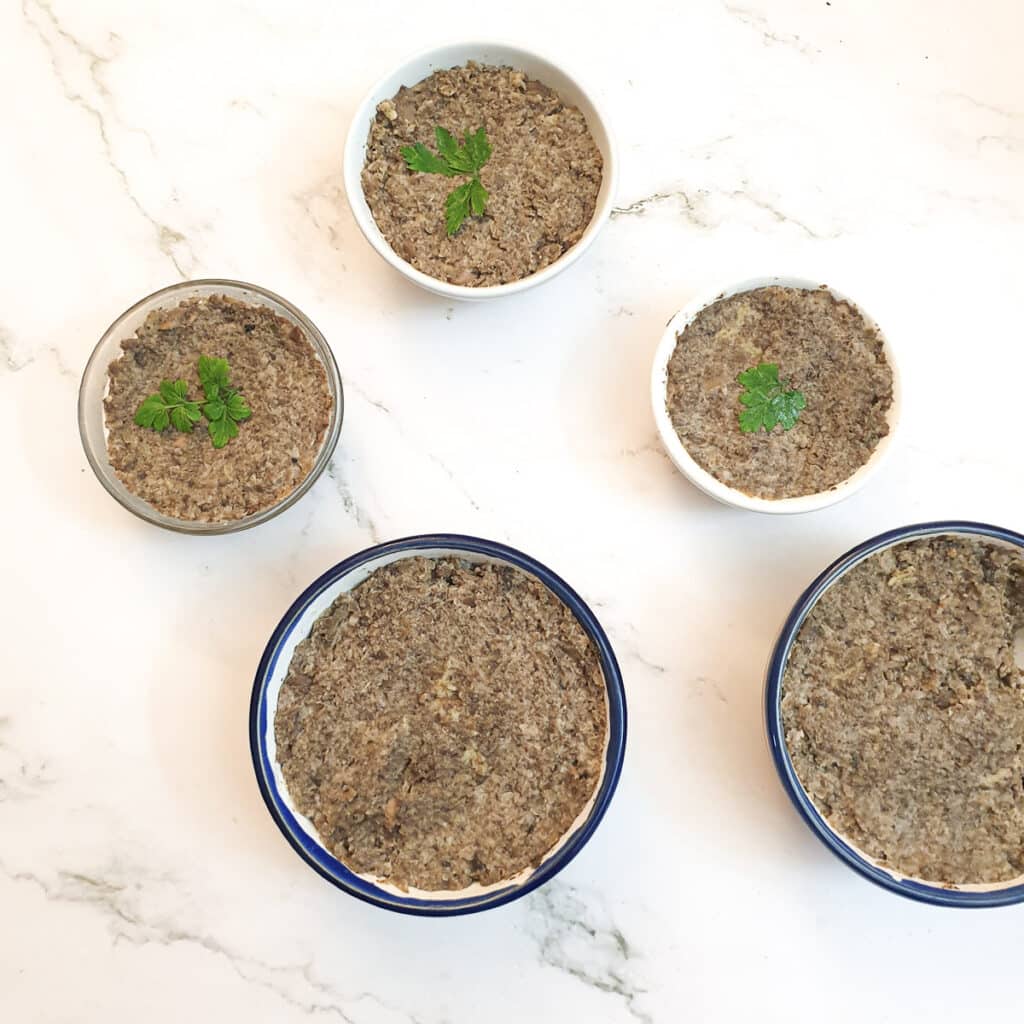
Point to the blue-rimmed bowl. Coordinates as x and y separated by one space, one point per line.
295 626
998 895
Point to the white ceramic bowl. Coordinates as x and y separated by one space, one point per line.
415 70
302 834
939 894
711 485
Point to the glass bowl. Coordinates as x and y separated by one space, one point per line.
93 390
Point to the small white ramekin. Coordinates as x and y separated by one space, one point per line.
711 485
415 70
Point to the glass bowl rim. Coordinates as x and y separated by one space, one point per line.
142 509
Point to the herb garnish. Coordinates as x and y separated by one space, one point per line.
169 407
455 159
767 400
224 407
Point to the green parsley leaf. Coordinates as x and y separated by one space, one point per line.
213 371
455 158
170 406
222 430
185 417
454 155
477 197
456 207
767 401
226 408
238 408
419 158
478 148
152 413
173 392
215 410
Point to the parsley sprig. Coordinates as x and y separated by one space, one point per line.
455 159
767 401
224 407
170 406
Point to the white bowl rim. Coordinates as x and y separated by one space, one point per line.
711 485
935 893
353 159
330 583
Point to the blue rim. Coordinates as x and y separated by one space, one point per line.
330 867
933 894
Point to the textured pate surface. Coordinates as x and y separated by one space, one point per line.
543 176
272 364
823 347
903 709
444 723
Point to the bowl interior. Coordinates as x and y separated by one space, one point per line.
274 667
95 384
711 485
998 894
420 67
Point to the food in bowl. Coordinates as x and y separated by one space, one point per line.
902 709
444 725
176 435
780 392
524 163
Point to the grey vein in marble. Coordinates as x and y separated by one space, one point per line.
982 204
357 390
331 190
352 508
13 361
437 461
21 777
39 16
10 359
780 215
701 684
962 97
690 207
635 654
246 106
576 934
769 37
1011 142
627 648
695 208
652 446
118 893
348 499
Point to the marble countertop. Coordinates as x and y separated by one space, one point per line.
877 146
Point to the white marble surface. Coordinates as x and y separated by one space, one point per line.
879 146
